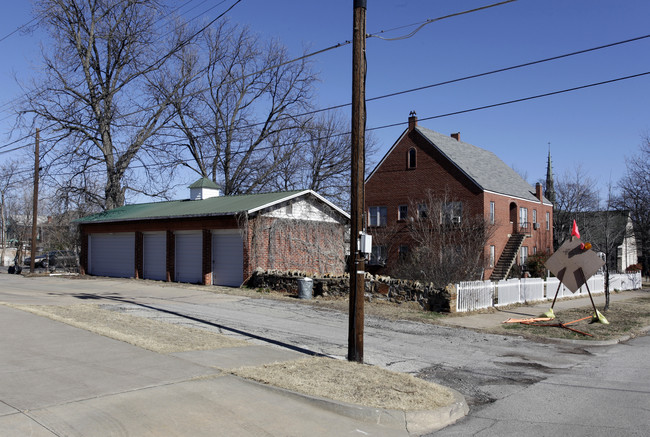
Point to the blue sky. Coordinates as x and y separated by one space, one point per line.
595 127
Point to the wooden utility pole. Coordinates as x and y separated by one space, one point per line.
37 166
356 260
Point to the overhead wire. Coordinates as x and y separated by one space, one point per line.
433 20
448 114
9 102
432 85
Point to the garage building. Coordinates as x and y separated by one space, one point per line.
214 239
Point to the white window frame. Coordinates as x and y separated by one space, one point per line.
377 216
492 255
523 255
523 216
378 255
492 212
401 216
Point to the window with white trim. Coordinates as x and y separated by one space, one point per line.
411 158
402 212
523 217
523 255
452 212
491 213
377 216
379 255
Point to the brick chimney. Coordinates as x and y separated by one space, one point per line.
413 120
456 136
538 191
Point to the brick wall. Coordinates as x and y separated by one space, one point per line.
206 264
311 246
507 217
170 257
139 255
396 182
433 172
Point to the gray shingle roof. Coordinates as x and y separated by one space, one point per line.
486 169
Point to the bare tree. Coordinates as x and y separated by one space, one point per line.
320 158
244 108
449 243
8 181
606 230
635 196
575 194
98 91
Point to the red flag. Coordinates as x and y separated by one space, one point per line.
574 230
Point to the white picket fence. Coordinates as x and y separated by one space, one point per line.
475 295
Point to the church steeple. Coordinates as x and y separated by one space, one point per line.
550 191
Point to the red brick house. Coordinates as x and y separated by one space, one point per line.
213 239
423 161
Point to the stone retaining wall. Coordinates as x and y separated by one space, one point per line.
377 287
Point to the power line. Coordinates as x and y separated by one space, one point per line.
432 20
395 93
523 99
464 111
183 43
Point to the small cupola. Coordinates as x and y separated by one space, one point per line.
203 189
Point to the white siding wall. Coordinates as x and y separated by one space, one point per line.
304 209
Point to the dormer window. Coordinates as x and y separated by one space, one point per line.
410 158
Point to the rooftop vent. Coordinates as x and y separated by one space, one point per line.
203 189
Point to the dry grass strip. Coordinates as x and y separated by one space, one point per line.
352 383
139 331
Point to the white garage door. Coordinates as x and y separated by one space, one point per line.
154 253
189 250
227 258
112 255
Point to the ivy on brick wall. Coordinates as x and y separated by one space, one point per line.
290 244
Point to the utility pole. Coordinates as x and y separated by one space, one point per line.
356 260
35 209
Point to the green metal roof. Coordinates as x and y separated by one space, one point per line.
215 206
204 183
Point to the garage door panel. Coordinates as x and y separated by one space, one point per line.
112 255
189 257
227 259
155 256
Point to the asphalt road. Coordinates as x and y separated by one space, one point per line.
513 385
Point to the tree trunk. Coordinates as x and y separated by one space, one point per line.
606 288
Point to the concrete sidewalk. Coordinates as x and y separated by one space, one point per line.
490 320
57 380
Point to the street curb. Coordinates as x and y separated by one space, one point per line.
414 422
642 331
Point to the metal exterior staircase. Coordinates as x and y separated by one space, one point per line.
508 257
